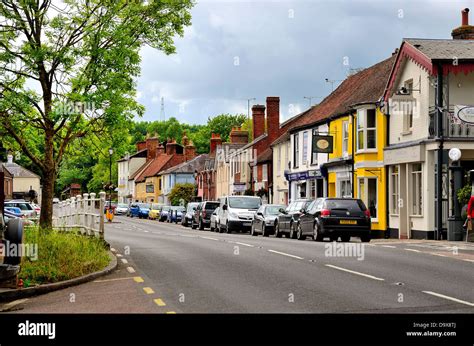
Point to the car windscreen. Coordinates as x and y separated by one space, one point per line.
211 205
22 206
348 204
244 202
191 206
273 209
165 208
122 205
155 206
144 205
298 205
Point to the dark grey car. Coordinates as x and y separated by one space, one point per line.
288 218
264 219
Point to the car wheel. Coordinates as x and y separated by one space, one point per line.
365 238
264 230
201 225
292 231
317 236
345 238
299 233
277 230
13 234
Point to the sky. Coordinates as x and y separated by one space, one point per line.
241 49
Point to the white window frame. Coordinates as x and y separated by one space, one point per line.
366 193
265 172
345 138
347 183
416 194
362 115
304 160
296 151
279 161
408 116
394 191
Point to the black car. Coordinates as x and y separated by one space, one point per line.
202 214
288 218
334 218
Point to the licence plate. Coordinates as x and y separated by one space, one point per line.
348 222
247 223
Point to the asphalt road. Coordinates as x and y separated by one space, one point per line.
192 271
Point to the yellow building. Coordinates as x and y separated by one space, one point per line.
356 165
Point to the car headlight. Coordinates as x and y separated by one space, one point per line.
233 215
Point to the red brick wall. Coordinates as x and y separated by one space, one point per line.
258 118
273 119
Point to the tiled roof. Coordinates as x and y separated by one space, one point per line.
18 171
288 124
195 164
441 49
141 153
154 167
366 86
140 170
266 156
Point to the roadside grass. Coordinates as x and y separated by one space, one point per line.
61 256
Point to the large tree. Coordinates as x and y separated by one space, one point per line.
68 68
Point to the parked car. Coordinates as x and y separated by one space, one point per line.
214 222
334 218
188 215
202 214
154 213
26 208
164 210
37 208
236 212
288 218
13 211
176 214
264 219
121 209
139 210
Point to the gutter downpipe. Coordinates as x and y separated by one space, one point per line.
387 176
440 139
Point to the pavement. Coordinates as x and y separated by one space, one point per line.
166 268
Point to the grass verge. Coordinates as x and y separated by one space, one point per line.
61 256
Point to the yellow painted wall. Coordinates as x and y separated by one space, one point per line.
371 171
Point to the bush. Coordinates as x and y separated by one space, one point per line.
181 194
61 256
464 194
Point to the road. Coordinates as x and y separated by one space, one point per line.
196 271
166 268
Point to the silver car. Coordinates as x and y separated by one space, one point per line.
264 219
214 225
26 208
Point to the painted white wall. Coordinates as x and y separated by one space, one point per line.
281 153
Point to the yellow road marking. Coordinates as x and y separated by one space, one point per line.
171 312
138 279
148 290
159 302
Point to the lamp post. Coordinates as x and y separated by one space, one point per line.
455 222
111 152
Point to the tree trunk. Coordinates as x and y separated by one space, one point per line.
47 194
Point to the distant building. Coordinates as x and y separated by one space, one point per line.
26 184
7 182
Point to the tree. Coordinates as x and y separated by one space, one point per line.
181 194
223 124
83 60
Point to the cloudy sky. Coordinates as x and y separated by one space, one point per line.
243 49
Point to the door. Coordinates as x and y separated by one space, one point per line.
307 219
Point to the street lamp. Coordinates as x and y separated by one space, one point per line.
111 152
455 221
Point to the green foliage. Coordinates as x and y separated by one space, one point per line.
85 59
262 192
249 192
223 123
464 194
61 256
181 194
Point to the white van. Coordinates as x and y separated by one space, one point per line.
236 212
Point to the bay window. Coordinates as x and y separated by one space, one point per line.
366 129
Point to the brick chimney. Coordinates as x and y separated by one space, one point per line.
273 118
237 135
189 151
258 118
160 149
216 140
171 147
465 31
151 146
141 145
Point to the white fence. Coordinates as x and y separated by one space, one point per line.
84 212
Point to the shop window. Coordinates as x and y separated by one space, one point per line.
345 188
312 188
367 192
417 189
394 190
